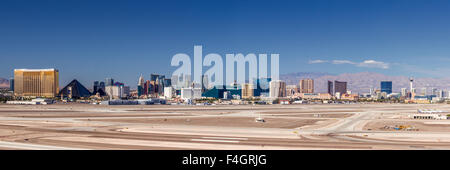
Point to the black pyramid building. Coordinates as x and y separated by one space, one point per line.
78 90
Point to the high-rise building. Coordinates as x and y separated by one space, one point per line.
157 84
140 86
126 91
109 81
118 91
277 89
168 92
441 94
340 86
102 85
330 88
167 82
36 82
175 80
204 83
153 77
404 92
434 91
114 92
262 87
146 88
11 84
307 86
413 92
423 91
139 90
411 80
95 87
187 81
141 80
153 88
386 86
161 85
247 90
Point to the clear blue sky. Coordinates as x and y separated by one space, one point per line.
93 39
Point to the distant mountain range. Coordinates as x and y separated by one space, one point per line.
362 82
4 83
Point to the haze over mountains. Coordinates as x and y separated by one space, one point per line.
362 82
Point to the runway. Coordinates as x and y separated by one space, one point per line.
291 127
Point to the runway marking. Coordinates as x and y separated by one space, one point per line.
211 140
225 138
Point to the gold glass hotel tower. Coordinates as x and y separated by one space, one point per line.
36 82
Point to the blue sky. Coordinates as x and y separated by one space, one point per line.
95 39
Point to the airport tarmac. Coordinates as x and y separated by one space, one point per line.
228 127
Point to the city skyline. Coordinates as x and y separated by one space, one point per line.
425 83
387 37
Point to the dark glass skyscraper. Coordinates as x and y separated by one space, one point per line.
11 84
96 87
330 88
102 85
386 86
262 86
340 87
139 90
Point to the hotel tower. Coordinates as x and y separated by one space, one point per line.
36 82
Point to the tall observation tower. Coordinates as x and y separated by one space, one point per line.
411 80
